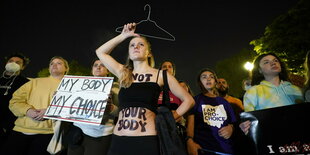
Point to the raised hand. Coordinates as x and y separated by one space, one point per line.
129 30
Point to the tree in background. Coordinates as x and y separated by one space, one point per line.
233 71
288 36
75 69
43 72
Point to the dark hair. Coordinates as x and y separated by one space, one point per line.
93 61
245 80
201 86
257 77
173 66
189 88
19 55
92 65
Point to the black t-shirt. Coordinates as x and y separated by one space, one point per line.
8 85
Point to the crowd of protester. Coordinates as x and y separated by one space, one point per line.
208 123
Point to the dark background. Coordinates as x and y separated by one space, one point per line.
205 31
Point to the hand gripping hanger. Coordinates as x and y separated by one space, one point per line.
171 37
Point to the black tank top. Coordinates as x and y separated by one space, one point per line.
140 94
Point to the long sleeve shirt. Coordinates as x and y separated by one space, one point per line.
266 95
37 94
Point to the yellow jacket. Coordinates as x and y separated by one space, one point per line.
37 94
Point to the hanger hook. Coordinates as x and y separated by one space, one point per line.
149 14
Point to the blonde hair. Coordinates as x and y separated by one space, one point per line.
126 78
64 61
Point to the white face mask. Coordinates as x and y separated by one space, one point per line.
12 67
247 87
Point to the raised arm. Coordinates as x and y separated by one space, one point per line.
104 50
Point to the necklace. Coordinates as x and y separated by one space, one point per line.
3 75
6 86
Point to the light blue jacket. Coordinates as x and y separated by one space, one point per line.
266 95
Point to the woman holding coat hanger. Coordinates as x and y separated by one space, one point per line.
140 83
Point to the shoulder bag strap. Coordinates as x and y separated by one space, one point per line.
166 97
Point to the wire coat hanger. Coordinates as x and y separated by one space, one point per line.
171 37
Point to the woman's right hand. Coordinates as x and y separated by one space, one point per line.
32 113
245 126
129 30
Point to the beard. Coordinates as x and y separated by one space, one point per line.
223 91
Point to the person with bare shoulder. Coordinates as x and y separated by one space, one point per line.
140 85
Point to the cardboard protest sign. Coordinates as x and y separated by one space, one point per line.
281 130
80 99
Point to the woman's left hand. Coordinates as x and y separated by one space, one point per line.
176 116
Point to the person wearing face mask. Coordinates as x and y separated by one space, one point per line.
32 133
10 81
246 84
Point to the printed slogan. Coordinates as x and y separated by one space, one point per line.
214 115
80 99
127 122
280 131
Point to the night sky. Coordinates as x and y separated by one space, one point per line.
205 31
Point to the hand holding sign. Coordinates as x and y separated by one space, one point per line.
80 99
32 113
245 126
36 114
